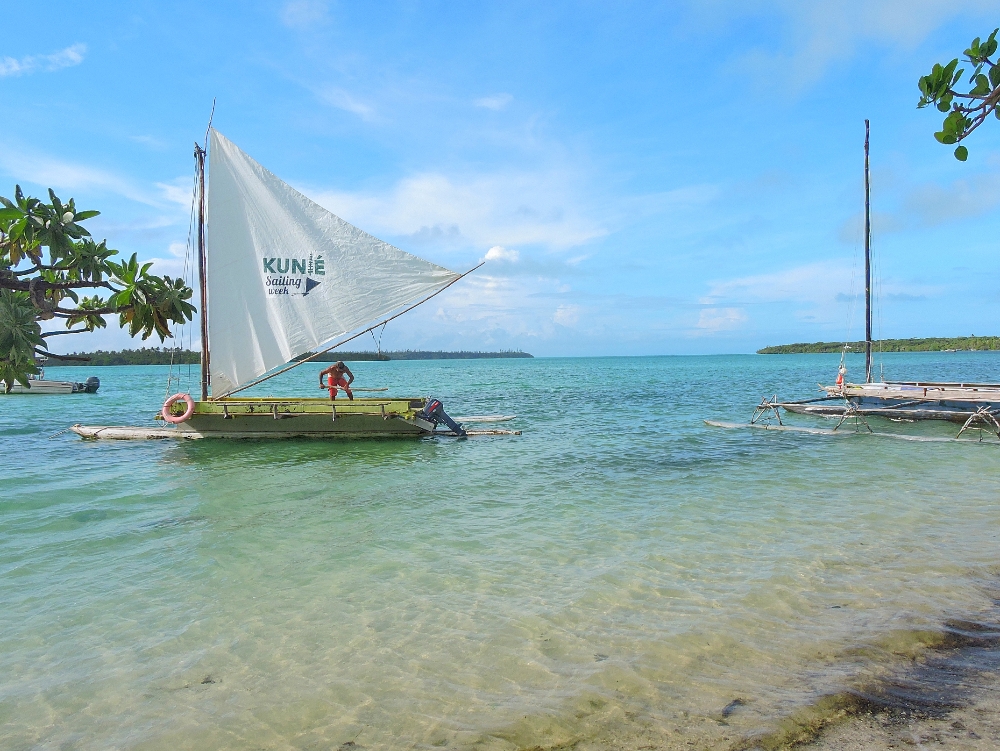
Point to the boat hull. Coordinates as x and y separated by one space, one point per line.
304 417
45 388
266 418
954 402
272 418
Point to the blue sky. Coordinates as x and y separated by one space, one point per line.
643 178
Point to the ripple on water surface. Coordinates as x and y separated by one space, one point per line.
620 574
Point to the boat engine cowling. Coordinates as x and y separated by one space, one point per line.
92 384
434 412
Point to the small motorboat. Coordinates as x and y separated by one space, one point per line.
38 385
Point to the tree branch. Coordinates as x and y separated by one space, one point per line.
983 110
41 285
68 313
43 267
60 333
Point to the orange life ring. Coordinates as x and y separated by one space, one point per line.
175 419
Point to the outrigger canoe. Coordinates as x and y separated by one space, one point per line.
280 277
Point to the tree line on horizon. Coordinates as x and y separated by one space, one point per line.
929 344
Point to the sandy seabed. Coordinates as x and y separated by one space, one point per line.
976 728
973 724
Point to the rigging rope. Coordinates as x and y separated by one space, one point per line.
314 355
185 327
378 342
853 296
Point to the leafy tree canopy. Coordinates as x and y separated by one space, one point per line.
51 268
967 110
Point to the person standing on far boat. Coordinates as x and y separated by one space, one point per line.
335 377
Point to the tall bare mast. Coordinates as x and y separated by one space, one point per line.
199 156
868 268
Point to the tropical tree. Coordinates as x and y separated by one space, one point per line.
966 110
52 269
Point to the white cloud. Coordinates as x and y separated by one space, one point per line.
711 320
301 14
495 209
493 310
828 292
496 102
811 283
499 253
67 58
178 191
150 141
935 204
342 100
61 175
177 262
825 32
567 315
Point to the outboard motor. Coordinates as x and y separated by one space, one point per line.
434 412
92 384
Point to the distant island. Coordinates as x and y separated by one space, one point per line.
144 356
931 344
157 356
415 354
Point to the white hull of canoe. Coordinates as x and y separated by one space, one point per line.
126 433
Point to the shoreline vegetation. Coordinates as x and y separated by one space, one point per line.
157 356
932 344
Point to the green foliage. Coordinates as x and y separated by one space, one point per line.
965 111
19 335
931 344
144 356
47 259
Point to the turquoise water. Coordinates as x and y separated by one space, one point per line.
615 576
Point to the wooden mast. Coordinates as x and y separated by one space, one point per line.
199 155
868 268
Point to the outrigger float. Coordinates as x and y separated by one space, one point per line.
279 277
975 405
301 418
257 418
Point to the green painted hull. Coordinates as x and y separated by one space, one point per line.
271 417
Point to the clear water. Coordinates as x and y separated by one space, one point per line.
613 577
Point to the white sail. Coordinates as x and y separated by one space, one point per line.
285 275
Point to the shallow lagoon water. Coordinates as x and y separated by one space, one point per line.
615 576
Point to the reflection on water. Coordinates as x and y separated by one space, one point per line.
619 574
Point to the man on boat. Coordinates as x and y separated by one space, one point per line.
335 377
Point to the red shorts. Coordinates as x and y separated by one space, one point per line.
333 384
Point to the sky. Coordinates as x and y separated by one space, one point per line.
641 178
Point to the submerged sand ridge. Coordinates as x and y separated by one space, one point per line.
950 698
909 688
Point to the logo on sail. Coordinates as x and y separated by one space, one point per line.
293 276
